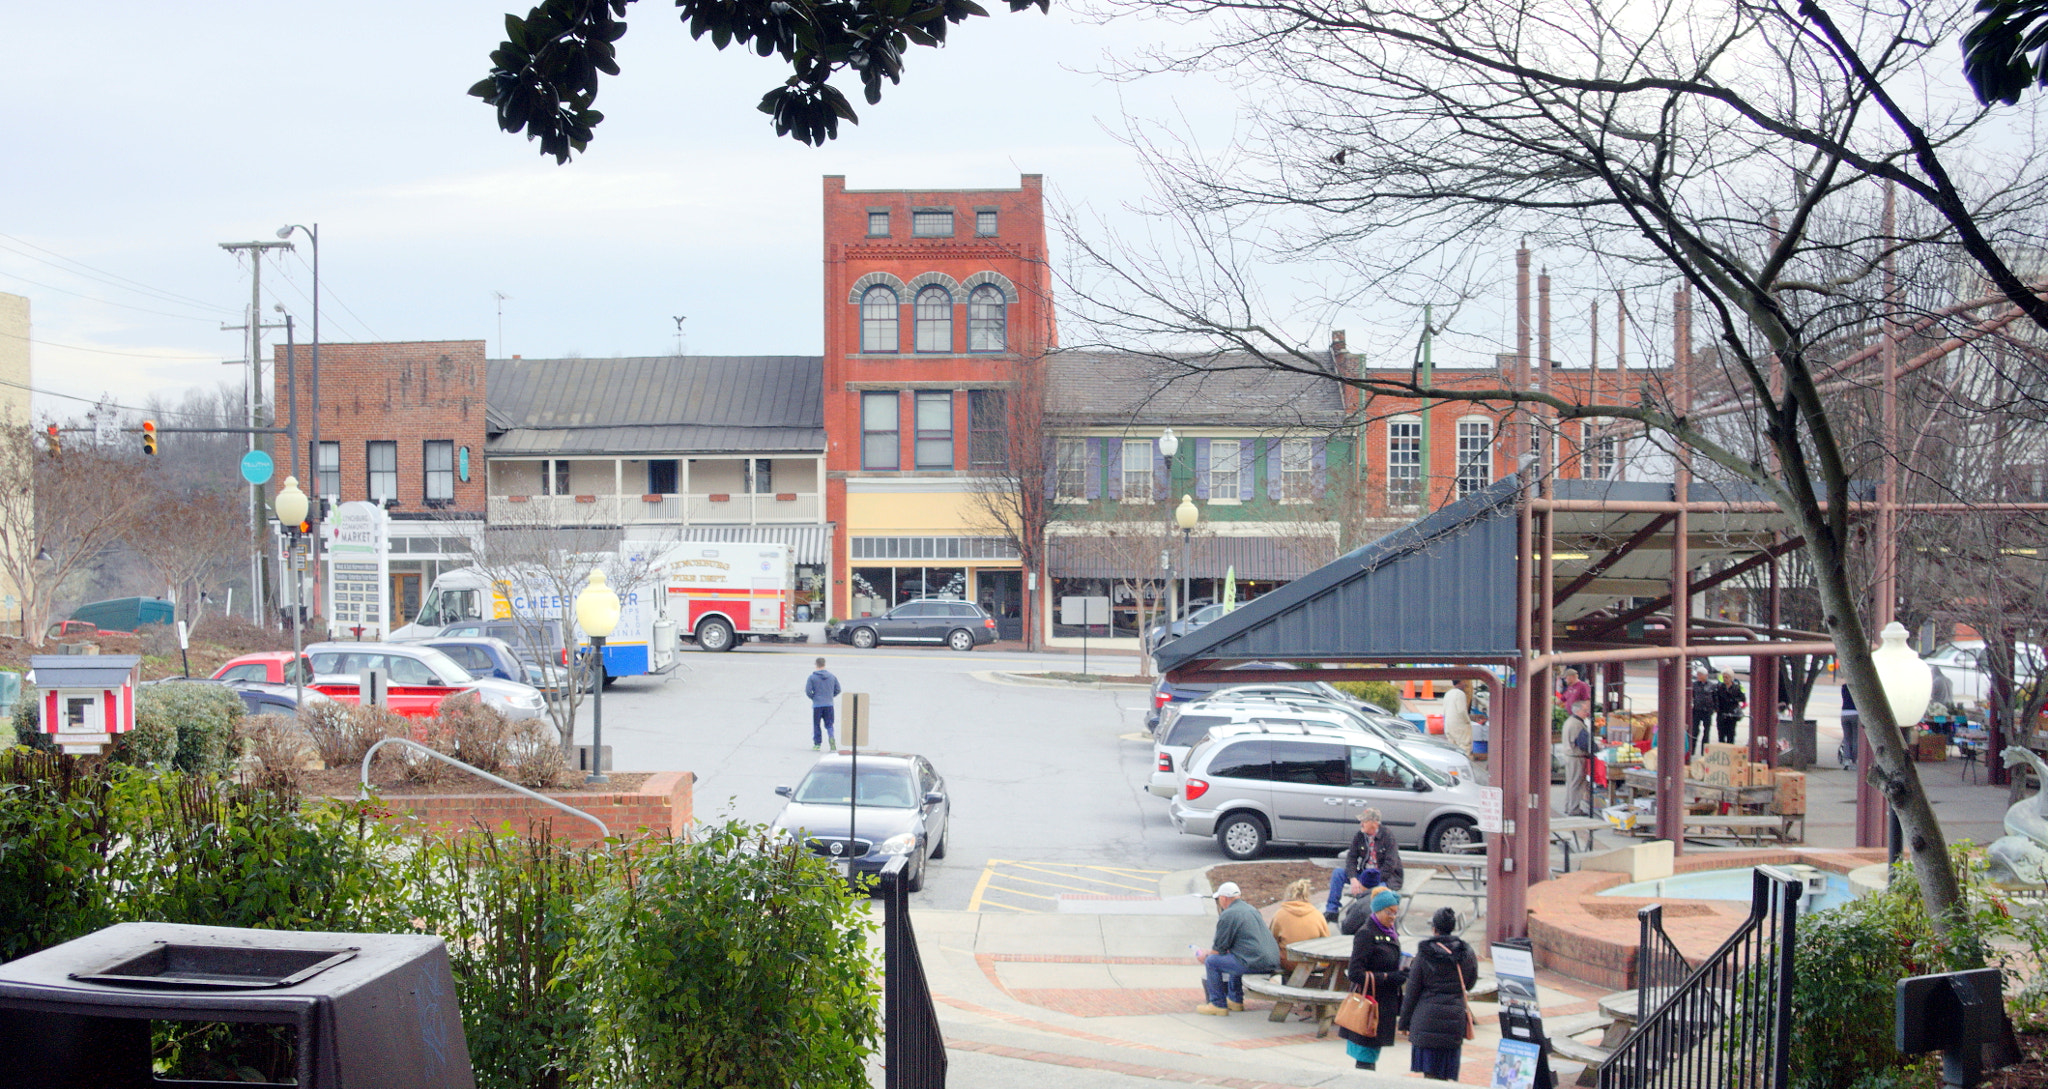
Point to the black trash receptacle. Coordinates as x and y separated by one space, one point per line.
365 1010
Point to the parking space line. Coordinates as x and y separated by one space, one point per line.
1079 888
1017 877
981 886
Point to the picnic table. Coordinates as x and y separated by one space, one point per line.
1747 805
1317 980
1565 831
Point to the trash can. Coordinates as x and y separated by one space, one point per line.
1799 734
361 1010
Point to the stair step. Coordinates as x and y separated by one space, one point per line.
1568 1048
1575 1024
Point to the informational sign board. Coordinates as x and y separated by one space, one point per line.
1489 809
358 558
1514 1065
1515 967
1076 611
257 467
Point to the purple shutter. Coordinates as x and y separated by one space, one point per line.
1162 476
1319 461
1113 456
1244 470
1052 468
1273 469
1094 468
1201 468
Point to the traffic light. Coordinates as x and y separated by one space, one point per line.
53 439
149 437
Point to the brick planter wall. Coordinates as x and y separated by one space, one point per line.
661 805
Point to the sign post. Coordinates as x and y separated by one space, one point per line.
1086 612
358 559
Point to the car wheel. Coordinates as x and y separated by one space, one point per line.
714 634
916 881
864 638
1451 834
960 639
1242 837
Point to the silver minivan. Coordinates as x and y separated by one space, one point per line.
1256 783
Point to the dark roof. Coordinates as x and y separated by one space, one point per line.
1080 556
1096 388
1437 590
667 404
82 670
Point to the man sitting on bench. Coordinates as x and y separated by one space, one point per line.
1243 946
1372 854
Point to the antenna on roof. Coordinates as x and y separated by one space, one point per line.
680 319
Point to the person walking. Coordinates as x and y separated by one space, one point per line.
1375 968
1372 860
1702 707
1458 717
1434 1012
1729 700
1243 946
1852 727
1296 920
823 688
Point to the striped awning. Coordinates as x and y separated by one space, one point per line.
1273 559
811 544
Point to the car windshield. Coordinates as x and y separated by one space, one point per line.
1188 729
445 669
884 788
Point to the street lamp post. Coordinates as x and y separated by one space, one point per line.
313 234
1908 686
290 505
1185 516
597 612
1169 445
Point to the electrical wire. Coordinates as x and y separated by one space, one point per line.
107 302
152 413
111 279
105 351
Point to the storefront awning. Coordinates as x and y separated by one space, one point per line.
1269 559
810 544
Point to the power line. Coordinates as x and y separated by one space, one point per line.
110 404
107 302
103 351
328 290
111 279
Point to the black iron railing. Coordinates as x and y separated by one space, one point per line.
1660 967
912 1046
1728 1022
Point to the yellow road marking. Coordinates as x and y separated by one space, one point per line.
1021 892
1078 888
981 886
1003 875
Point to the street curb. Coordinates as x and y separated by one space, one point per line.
1026 680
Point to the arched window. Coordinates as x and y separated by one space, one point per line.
987 320
878 320
934 314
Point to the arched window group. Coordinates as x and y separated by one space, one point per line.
932 319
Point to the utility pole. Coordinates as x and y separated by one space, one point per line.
253 400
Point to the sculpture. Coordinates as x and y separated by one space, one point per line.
2020 857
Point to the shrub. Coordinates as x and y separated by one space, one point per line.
1383 693
534 756
693 975
279 747
189 726
474 734
54 837
343 733
28 721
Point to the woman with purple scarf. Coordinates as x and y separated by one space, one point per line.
1376 968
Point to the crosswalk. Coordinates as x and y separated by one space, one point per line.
1022 885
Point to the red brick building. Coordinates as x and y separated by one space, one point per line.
933 300
401 422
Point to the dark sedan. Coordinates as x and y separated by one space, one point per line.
900 808
961 625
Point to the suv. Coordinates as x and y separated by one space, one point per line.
1258 783
961 625
1165 692
1435 750
1181 731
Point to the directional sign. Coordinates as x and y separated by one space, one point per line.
257 467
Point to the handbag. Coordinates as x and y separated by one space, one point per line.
1360 1012
1471 1029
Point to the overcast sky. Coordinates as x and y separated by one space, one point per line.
142 135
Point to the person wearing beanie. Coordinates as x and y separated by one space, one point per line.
1434 1012
1242 946
1296 920
1375 968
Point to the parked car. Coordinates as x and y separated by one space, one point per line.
1258 783
1165 692
899 808
540 644
419 679
265 666
486 657
1159 634
962 625
1435 750
121 614
1194 719
1969 678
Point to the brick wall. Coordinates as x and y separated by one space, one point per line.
662 805
406 392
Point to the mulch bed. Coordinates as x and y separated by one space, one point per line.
2031 1074
341 782
1265 883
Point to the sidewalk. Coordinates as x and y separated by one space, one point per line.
1106 1000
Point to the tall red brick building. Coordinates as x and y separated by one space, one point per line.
933 300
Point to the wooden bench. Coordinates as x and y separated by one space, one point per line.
1285 998
1741 828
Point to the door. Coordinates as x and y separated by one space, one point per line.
1383 781
1312 799
405 597
1001 594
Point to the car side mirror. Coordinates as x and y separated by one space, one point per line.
784 791
1421 786
933 797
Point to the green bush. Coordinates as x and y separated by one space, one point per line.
190 727
55 830
1384 693
28 721
738 960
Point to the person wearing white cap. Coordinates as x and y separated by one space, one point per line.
1242 946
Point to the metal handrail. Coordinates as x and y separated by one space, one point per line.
914 1047
602 830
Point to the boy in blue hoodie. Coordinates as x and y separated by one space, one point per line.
823 688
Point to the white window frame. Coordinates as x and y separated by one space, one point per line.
1135 474
1475 454
1224 483
1598 457
1297 471
1404 462
1070 469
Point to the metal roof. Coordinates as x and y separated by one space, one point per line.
1116 388
1437 590
1090 557
661 404
807 544
82 670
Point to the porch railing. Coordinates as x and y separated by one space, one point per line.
1727 1022
912 1046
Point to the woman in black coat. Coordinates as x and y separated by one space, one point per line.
1433 1009
1376 956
